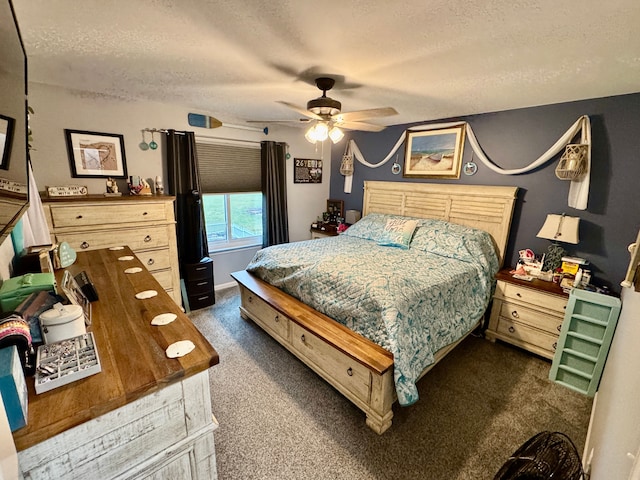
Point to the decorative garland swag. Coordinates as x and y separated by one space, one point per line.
578 190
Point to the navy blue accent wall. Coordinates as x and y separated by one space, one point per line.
514 139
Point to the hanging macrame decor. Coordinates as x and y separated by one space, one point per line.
573 162
346 167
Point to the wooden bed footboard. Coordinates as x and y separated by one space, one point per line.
358 368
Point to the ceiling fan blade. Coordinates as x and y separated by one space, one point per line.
367 127
364 114
299 121
300 110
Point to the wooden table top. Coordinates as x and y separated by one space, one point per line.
131 350
536 283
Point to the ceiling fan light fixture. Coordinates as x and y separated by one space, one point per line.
335 134
317 133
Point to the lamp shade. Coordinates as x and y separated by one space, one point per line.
560 228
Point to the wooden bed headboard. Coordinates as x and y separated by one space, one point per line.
487 208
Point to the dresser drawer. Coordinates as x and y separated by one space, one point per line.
137 239
201 300
198 271
534 318
518 334
155 259
350 374
164 278
87 215
268 317
535 297
196 287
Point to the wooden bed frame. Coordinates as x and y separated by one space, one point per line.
355 366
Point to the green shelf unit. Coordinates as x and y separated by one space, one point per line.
587 331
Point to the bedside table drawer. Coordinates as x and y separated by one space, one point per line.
523 335
529 295
534 318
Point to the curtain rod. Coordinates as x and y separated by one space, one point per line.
228 125
211 137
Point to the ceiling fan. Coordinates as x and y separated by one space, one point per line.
329 118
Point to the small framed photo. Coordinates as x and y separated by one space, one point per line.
96 155
434 153
6 138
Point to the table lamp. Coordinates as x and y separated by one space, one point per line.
558 228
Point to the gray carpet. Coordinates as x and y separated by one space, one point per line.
279 420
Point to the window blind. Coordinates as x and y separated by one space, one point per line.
228 168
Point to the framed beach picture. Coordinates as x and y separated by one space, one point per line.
434 153
96 155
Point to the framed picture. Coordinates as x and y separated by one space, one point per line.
96 155
6 137
434 153
307 170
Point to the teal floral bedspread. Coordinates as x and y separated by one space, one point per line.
411 300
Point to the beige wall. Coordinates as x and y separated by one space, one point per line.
57 109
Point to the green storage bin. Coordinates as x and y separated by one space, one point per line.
16 289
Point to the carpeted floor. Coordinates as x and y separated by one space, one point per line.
279 420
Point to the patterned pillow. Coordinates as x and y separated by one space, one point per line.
370 227
398 233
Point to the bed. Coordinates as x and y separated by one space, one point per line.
421 252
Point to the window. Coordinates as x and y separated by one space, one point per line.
233 219
230 181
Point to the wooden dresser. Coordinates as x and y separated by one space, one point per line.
145 223
144 416
527 314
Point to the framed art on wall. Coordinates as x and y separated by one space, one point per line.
96 155
307 170
6 137
434 153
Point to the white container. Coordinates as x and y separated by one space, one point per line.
62 322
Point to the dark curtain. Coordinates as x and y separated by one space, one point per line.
184 183
275 226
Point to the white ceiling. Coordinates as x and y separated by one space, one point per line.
429 59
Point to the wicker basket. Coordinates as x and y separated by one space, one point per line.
573 162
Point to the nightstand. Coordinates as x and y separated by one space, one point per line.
319 233
527 314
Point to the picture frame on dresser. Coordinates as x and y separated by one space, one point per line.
96 155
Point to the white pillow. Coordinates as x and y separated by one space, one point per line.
398 233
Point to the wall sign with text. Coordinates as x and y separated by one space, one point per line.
307 171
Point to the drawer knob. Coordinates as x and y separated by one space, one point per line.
79 217
144 213
147 239
350 371
512 329
555 345
559 327
151 261
250 299
277 318
514 314
518 294
84 245
302 338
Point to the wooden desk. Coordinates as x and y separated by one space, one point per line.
144 414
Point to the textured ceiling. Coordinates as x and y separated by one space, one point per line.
429 59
